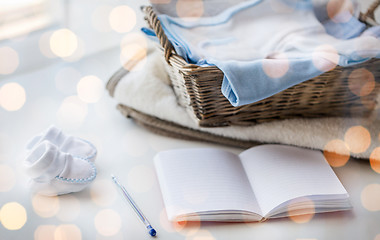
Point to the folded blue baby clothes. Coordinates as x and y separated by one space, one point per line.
266 46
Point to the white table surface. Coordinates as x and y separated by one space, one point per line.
127 150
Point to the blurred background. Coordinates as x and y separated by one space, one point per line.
36 33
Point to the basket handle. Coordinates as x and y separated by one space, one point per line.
155 24
369 16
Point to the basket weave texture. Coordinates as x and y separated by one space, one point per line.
335 93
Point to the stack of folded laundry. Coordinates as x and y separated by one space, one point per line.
218 38
266 46
147 97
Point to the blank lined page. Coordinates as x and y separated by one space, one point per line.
279 173
200 180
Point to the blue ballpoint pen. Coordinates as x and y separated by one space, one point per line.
143 219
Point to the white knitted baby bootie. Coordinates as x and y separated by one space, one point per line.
77 147
54 172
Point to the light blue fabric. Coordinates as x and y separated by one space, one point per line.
266 46
373 31
345 29
150 34
345 24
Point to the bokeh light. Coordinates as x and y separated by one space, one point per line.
325 57
374 160
90 89
67 79
335 8
133 56
72 112
367 46
78 53
361 82
67 232
99 18
7 178
13 216
44 232
45 206
276 66
188 228
44 45
143 175
304 218
357 139
9 60
165 223
370 197
370 102
122 19
63 42
336 153
134 38
192 9
185 228
69 208
12 96
107 222
103 192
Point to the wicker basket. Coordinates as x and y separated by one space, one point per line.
199 89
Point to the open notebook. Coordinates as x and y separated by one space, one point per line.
267 181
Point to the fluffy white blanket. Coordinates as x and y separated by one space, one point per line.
147 89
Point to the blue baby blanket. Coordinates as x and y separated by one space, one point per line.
266 46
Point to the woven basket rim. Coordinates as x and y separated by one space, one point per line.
368 18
